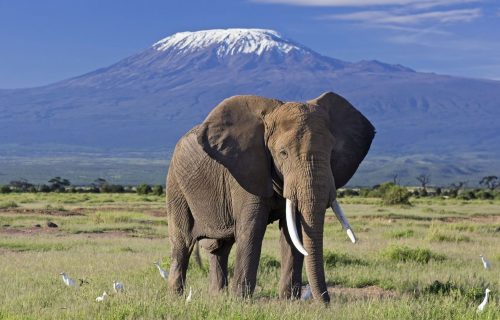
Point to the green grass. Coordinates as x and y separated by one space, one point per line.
407 233
23 245
406 254
8 204
410 262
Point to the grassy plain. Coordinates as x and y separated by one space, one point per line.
417 262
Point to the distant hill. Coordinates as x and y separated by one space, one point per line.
140 106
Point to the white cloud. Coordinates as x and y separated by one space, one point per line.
385 17
437 3
416 22
362 3
420 31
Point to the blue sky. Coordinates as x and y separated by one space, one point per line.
45 41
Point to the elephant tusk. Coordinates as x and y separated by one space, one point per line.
292 227
343 220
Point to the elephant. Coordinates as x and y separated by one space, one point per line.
253 161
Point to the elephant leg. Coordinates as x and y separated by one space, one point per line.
179 264
180 223
291 264
249 236
218 266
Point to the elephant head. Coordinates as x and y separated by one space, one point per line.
311 148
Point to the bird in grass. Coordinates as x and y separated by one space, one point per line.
83 281
118 286
67 280
307 294
190 296
485 301
163 272
102 298
486 263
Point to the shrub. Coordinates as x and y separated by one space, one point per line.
408 233
450 193
333 259
466 195
484 195
407 254
396 195
365 192
438 287
269 263
351 193
157 190
43 188
111 188
5 189
143 189
437 236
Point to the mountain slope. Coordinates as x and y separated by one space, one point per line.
145 102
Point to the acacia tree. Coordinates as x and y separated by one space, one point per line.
21 185
59 184
395 179
455 187
490 182
99 182
424 180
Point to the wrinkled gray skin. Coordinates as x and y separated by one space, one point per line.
229 177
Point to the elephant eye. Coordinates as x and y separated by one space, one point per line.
283 154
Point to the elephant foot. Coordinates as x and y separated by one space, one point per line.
290 291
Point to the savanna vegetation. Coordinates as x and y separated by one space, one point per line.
418 258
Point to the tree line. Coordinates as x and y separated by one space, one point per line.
62 185
393 190
393 193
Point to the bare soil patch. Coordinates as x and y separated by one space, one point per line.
29 230
366 293
48 212
106 234
370 292
391 218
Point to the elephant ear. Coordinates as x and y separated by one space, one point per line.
352 132
233 135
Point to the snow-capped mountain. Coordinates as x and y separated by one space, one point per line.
228 42
145 102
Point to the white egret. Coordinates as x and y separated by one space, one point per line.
486 263
118 286
485 301
307 294
102 298
163 272
190 296
67 280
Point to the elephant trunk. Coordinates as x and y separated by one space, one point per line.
310 193
313 217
